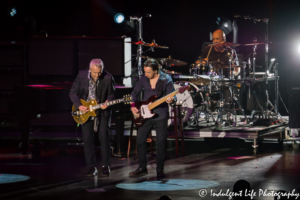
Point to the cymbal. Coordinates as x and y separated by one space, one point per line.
153 44
226 44
171 72
200 81
171 62
252 44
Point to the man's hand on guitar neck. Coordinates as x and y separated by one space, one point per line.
83 109
135 111
170 100
104 106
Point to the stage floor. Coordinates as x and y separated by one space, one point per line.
210 164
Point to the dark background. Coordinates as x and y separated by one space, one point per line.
182 25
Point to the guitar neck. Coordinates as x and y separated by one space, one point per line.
161 100
110 103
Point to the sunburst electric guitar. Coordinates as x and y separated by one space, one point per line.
92 105
145 107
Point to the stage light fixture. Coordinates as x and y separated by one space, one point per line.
12 12
119 18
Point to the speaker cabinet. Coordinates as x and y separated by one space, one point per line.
294 111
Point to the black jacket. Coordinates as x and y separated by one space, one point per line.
105 90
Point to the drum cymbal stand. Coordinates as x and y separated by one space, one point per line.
140 47
218 124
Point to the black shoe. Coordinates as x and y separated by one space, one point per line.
138 172
105 171
160 174
92 171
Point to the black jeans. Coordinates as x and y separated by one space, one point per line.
161 139
89 146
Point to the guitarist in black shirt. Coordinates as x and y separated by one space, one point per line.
157 83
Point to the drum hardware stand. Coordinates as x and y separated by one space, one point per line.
140 48
254 56
266 20
220 105
276 88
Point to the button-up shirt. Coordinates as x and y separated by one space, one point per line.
164 86
92 89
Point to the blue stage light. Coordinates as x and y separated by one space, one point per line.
12 178
12 12
119 18
169 185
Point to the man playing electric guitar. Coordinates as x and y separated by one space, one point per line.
157 83
98 84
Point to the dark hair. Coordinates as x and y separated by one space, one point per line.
241 185
164 197
151 62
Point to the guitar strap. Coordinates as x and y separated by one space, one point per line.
97 95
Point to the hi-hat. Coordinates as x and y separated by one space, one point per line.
153 44
226 44
171 62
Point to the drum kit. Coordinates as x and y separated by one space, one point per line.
205 101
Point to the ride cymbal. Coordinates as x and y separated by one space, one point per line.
252 44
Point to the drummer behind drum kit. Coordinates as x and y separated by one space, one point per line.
205 99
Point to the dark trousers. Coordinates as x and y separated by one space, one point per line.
89 146
161 139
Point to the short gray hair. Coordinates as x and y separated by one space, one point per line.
98 63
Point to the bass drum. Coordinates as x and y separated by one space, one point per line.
190 99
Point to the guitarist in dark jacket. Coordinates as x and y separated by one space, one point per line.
157 83
95 84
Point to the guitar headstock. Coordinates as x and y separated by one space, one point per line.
183 88
127 99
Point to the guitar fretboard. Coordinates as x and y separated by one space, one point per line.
161 100
110 103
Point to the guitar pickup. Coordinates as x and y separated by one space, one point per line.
143 111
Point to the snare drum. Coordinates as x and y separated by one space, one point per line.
190 99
